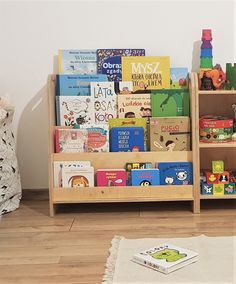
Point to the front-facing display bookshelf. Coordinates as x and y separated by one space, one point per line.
117 160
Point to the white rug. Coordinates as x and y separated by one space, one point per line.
216 264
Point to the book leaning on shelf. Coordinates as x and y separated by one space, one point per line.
165 258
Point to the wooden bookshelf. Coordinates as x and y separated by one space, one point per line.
117 160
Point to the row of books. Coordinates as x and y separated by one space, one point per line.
126 135
81 174
146 72
103 104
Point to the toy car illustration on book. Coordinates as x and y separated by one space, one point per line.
166 258
111 177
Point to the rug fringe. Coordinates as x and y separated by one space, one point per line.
111 261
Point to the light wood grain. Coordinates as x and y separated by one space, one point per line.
73 246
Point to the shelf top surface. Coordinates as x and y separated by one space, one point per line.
217 92
230 144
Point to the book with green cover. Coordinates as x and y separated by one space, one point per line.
170 103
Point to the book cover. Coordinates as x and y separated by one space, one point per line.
98 138
129 166
127 139
75 110
58 165
71 140
166 258
76 61
131 122
123 87
105 101
179 78
78 178
170 133
170 103
134 105
147 72
76 85
111 177
145 177
109 61
175 173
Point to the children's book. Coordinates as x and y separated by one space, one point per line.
147 72
127 139
166 258
130 166
145 177
134 105
71 140
98 138
179 78
72 111
58 165
109 61
111 177
175 173
78 178
105 101
76 61
170 103
123 87
130 122
76 85
170 133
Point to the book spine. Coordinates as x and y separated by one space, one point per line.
57 109
60 61
151 265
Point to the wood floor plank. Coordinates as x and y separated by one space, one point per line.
72 247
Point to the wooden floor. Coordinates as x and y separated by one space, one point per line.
73 246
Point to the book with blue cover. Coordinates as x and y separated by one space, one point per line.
77 61
175 173
127 139
76 85
145 177
109 61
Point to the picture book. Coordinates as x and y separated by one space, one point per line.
175 173
147 72
71 110
98 138
71 140
105 101
130 122
123 87
58 165
134 105
170 133
76 85
109 61
145 177
166 258
111 177
78 178
127 139
137 165
170 103
76 61
179 78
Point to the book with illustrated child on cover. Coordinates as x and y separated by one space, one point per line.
165 258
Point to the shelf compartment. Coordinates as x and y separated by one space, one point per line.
230 196
230 144
123 194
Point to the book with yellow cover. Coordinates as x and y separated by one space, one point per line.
147 72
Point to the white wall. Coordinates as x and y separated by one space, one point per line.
31 32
